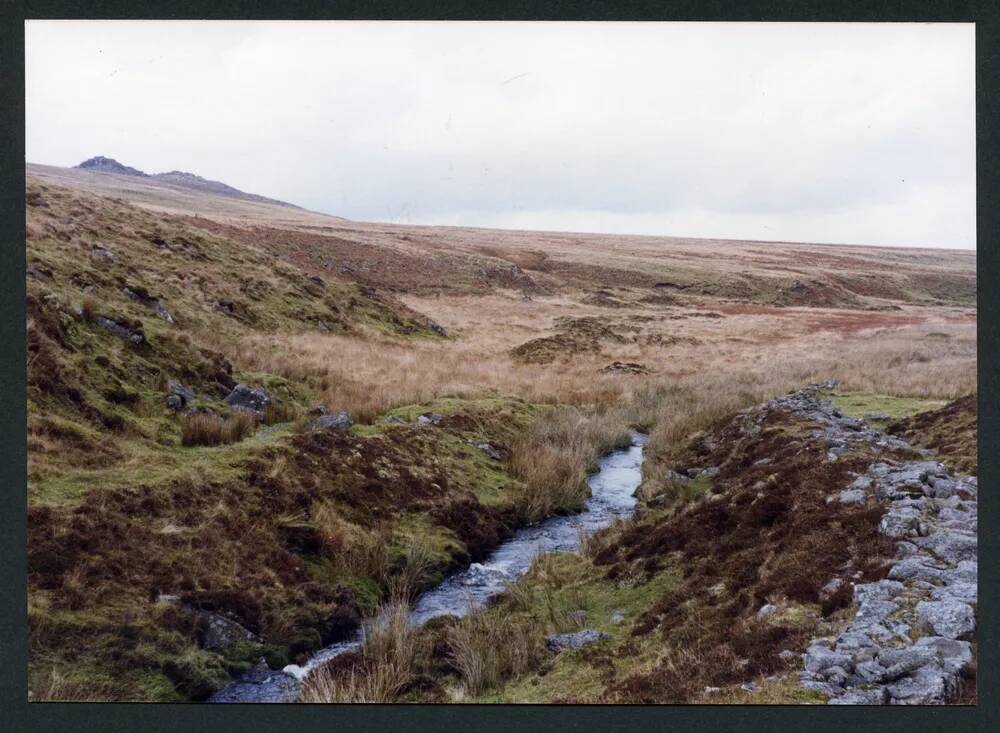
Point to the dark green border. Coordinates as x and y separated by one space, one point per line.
17 715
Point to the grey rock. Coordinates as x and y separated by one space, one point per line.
134 336
334 421
906 548
876 416
221 632
949 618
870 672
824 688
927 686
490 451
253 400
903 661
430 419
951 545
766 610
860 483
942 488
395 420
882 590
104 254
178 396
818 659
875 611
788 654
762 462
915 568
574 640
967 571
168 598
617 617
953 655
852 496
675 478
857 643
875 696
711 471
962 591
900 522
836 675
831 587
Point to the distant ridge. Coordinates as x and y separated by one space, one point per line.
102 164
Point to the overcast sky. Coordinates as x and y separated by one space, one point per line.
804 132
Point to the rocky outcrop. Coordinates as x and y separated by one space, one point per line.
332 421
908 641
252 400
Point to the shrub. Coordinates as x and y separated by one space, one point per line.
204 428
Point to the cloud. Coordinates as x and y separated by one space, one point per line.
821 132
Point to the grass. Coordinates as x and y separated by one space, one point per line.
297 534
210 429
866 405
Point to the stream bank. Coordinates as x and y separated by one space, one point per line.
612 487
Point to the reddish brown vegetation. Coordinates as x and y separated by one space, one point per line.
951 432
743 547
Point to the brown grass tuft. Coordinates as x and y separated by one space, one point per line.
208 429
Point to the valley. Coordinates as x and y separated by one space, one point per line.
253 429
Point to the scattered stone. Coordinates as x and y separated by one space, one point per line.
625 367
876 416
766 610
490 451
617 617
430 418
222 633
575 639
178 396
852 496
395 420
142 296
253 400
134 336
333 421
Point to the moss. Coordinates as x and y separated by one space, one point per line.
196 674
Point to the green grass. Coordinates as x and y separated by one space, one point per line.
860 404
571 582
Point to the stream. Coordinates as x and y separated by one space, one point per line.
612 486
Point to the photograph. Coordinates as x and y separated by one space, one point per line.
500 362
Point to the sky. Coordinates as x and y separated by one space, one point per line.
843 133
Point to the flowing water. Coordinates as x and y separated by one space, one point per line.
618 475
